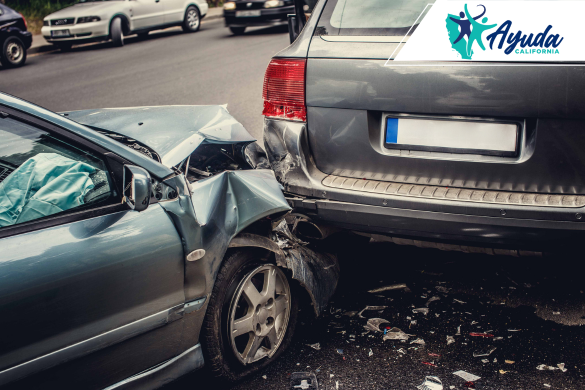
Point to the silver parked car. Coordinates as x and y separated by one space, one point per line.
458 156
138 244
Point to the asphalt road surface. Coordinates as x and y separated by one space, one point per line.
525 312
211 66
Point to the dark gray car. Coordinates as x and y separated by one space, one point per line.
332 109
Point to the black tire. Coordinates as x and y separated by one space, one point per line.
238 30
13 53
220 359
117 32
192 19
64 46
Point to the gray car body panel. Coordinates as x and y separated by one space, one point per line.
349 90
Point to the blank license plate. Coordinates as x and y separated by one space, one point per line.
452 136
60 33
247 14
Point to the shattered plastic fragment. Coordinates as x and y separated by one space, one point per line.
303 381
371 308
466 376
370 353
350 313
442 289
432 299
561 367
424 310
450 340
264 377
487 335
402 351
374 324
509 361
484 352
469 385
340 351
458 301
458 331
503 372
398 286
484 361
418 341
316 346
431 383
396 334
429 364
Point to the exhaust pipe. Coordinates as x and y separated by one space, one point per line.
310 230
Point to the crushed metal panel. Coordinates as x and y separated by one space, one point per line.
173 132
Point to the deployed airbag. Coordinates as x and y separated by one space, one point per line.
45 184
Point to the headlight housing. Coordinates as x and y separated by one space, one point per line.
273 3
88 19
45 23
229 6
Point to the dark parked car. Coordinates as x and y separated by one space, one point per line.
14 37
243 13
138 244
503 173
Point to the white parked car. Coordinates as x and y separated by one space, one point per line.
100 20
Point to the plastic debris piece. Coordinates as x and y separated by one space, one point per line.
487 351
340 351
503 372
487 335
450 340
402 351
429 364
556 313
509 361
495 360
467 376
474 322
431 383
498 338
544 367
458 331
303 381
432 299
546 385
484 361
561 367
434 354
398 286
371 308
459 301
396 334
350 313
424 310
264 377
370 353
469 385
374 324
331 376
442 289
316 346
418 341
514 330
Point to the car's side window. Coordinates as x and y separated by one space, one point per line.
41 175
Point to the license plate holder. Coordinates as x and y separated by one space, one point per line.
248 13
60 33
446 135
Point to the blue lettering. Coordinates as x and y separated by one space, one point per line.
503 30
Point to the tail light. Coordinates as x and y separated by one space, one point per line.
284 89
24 20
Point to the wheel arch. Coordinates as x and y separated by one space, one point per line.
125 23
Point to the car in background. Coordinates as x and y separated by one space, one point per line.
14 37
97 20
372 147
241 14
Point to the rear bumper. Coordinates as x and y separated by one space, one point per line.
269 17
509 226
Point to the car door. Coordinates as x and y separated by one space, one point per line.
147 13
174 11
79 271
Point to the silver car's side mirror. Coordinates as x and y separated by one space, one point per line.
137 187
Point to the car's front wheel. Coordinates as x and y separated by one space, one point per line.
251 316
13 53
238 30
192 20
116 32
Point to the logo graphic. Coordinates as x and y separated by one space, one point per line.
459 27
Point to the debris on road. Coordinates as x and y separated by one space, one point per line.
487 351
303 381
316 346
374 324
375 308
544 367
450 340
432 299
509 361
396 334
429 364
431 383
340 351
467 376
458 301
442 289
487 335
424 310
370 353
398 286
418 341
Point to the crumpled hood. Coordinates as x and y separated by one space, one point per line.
173 132
83 9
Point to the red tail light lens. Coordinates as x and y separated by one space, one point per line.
24 20
284 89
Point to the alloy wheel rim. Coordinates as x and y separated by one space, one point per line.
193 19
14 52
259 314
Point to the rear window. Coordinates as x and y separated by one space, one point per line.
371 17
